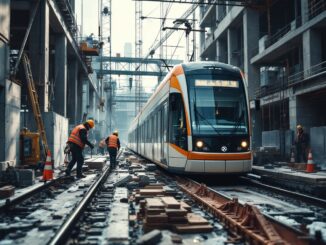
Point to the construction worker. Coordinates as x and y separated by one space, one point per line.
113 144
301 145
77 141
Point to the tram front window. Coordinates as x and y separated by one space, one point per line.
218 105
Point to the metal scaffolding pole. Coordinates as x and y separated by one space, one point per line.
106 30
138 52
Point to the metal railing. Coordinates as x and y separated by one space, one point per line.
287 81
280 33
271 88
315 8
306 74
69 17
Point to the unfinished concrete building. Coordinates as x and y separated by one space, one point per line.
281 47
68 91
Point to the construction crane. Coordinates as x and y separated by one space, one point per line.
34 102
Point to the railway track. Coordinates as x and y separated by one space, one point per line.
244 218
107 211
299 196
47 209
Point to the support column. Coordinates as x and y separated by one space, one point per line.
293 119
85 98
92 104
79 99
304 11
60 76
72 93
312 46
221 51
39 53
250 38
220 12
232 46
10 94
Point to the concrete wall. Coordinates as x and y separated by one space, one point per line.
318 145
4 19
10 122
57 135
282 141
271 139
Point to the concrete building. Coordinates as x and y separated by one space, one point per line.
281 47
64 83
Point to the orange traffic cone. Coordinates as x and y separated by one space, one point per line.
48 171
310 164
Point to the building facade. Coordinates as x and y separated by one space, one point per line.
281 47
68 92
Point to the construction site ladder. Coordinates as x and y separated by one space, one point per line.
35 104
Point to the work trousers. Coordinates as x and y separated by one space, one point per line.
301 155
77 156
113 155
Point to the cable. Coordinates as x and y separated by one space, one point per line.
163 22
177 45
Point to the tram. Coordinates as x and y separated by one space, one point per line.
197 121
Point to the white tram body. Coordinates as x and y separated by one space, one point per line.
197 121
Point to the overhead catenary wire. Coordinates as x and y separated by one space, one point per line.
177 46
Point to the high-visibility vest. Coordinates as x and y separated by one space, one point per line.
113 141
74 136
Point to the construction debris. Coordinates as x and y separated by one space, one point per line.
158 211
7 191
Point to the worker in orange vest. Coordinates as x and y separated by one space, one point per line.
77 141
113 144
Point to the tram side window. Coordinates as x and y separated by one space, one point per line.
177 121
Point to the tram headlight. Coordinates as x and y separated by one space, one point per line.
199 143
244 144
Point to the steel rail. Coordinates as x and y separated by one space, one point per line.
64 231
17 200
243 219
66 227
313 200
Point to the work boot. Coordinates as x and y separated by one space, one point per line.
81 176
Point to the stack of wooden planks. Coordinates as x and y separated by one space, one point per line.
158 211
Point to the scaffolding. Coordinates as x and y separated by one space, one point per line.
138 53
105 33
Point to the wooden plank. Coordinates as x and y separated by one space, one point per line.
193 228
154 187
150 192
150 211
170 202
195 219
158 218
154 203
175 212
178 220
185 206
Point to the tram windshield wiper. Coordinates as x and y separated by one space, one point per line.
206 120
238 122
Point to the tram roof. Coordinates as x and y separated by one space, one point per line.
207 65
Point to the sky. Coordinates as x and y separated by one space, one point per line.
123 23
123 27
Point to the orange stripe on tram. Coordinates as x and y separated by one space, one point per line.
177 70
212 156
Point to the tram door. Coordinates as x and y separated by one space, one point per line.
165 143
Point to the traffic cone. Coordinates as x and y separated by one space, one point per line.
310 164
48 171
